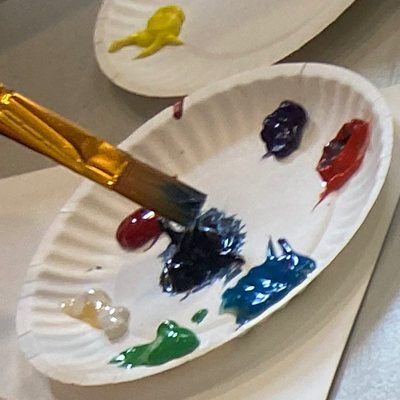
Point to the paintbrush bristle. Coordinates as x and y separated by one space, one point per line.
164 194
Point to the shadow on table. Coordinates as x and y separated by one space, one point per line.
38 15
362 39
146 107
277 352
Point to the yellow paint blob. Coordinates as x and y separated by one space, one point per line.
87 312
163 28
94 307
89 315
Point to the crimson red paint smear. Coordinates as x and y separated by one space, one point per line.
178 109
343 155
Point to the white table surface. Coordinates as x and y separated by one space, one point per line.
46 52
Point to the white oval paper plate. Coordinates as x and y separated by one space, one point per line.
216 147
222 38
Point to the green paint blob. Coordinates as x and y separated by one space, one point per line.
199 316
172 342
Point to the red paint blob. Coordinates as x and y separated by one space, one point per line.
138 230
178 109
343 155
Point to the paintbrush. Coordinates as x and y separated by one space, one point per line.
51 135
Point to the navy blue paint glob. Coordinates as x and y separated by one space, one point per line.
199 255
266 284
283 129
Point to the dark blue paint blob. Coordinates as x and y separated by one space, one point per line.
267 284
199 255
283 129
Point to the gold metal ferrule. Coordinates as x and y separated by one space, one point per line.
53 136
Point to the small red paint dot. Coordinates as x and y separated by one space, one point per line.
178 109
138 229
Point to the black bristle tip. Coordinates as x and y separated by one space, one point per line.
188 201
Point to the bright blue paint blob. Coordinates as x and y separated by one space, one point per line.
266 284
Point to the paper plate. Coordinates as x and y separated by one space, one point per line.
216 147
221 38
